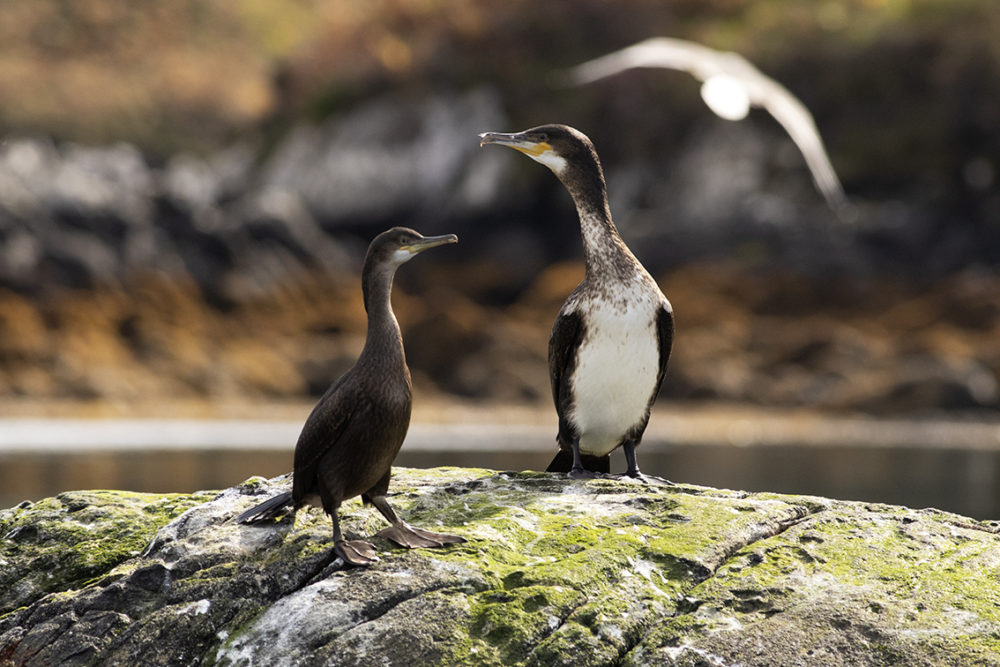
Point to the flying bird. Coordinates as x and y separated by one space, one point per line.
730 86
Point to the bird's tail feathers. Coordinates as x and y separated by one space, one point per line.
270 509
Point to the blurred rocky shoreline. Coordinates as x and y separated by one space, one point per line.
187 191
234 273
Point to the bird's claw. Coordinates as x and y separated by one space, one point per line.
356 552
582 473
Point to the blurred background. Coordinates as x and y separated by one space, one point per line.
187 191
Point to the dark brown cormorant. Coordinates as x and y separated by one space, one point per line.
611 340
352 436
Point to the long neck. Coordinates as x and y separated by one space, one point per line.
603 248
384 342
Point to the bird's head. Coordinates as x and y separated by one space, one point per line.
558 147
400 244
567 152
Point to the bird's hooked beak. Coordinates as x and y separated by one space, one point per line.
428 242
538 150
517 140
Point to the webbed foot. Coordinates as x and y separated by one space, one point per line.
407 536
355 552
649 480
583 473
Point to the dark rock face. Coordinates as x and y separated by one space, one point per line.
556 572
390 157
80 216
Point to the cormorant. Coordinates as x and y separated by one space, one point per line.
352 436
611 340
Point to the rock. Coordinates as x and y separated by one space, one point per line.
389 157
555 572
59 543
73 216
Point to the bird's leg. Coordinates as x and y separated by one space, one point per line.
406 535
578 471
633 468
355 552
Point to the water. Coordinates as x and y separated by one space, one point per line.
951 465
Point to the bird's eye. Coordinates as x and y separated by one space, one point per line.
542 137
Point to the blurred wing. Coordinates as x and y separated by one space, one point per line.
798 122
663 52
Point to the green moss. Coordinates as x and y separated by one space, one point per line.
813 504
514 620
529 541
64 542
252 484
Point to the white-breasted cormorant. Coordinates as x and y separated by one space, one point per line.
611 340
352 436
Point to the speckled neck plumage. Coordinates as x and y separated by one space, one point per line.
605 253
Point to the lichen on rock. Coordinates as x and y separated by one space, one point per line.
59 543
555 572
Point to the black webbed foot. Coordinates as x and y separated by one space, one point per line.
355 552
630 476
583 473
638 477
407 536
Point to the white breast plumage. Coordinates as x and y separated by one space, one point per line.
616 368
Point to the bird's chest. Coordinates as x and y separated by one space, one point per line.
380 417
390 411
615 373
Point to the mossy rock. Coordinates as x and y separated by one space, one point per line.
59 543
555 572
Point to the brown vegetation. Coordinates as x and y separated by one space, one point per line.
767 338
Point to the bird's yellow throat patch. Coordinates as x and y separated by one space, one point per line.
535 150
